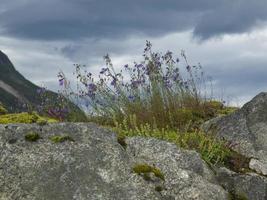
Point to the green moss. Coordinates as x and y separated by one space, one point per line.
121 141
145 170
32 137
60 139
239 196
158 188
158 173
24 117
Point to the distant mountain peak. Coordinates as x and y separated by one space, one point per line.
4 60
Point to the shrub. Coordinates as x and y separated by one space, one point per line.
157 91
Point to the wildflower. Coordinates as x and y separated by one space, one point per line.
92 87
103 70
131 97
61 82
113 82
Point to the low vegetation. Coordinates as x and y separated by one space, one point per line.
156 97
32 137
24 117
61 138
146 170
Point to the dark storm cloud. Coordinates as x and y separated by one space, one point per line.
232 17
76 19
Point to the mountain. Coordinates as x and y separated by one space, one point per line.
15 90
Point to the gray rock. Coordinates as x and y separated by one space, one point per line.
249 186
95 166
258 166
247 128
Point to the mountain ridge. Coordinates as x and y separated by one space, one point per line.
16 90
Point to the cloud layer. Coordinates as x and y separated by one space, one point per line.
68 19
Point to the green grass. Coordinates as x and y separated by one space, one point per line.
213 151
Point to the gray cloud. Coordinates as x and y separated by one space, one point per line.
232 17
79 19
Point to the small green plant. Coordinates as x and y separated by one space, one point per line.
42 122
158 188
145 170
121 141
32 137
60 139
239 196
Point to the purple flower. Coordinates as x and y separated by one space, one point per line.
92 87
188 68
126 66
103 70
113 82
61 82
131 97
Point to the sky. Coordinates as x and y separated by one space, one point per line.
228 38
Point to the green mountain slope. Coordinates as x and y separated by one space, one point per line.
15 90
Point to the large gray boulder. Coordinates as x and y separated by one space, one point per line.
246 132
249 186
246 129
95 166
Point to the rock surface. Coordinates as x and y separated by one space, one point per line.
249 186
247 128
246 132
95 166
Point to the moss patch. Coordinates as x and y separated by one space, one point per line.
237 196
26 118
158 188
121 141
145 170
32 137
61 138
